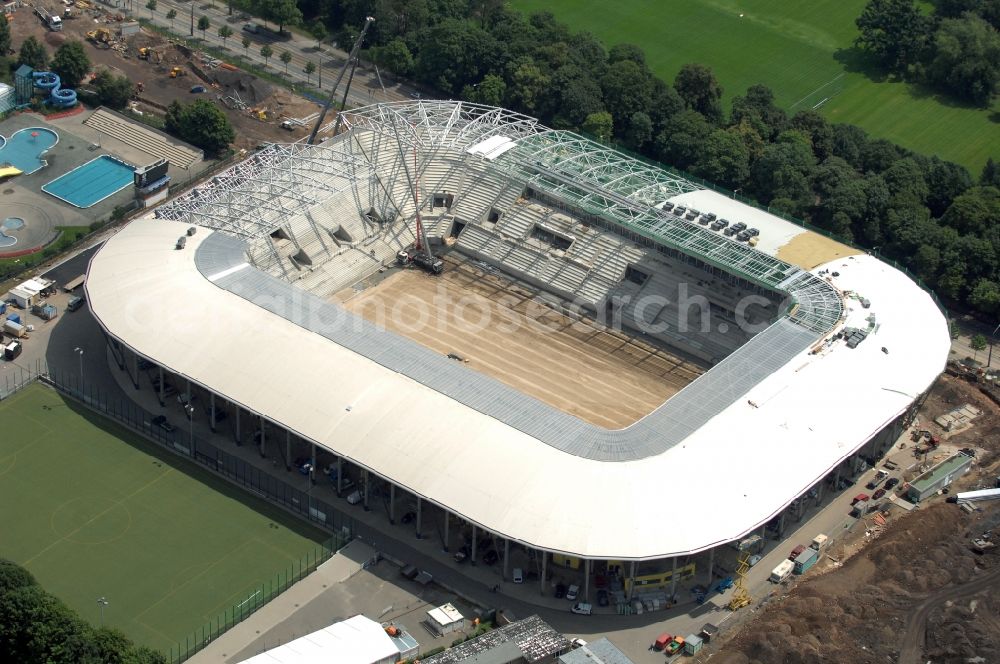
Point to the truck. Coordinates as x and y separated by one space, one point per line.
12 350
806 560
860 509
880 476
14 329
819 542
51 21
412 255
782 571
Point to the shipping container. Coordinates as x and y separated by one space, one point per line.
806 560
782 571
860 508
692 644
14 329
14 317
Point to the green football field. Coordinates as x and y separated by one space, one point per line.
94 511
801 50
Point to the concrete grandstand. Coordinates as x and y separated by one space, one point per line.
688 374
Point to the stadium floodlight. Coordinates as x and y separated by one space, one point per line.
79 351
102 602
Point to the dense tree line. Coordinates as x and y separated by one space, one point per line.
956 48
929 214
200 123
36 627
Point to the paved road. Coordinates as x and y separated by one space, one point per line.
365 89
916 626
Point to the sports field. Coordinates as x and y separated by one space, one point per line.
801 50
93 511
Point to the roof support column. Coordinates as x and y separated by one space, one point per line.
472 558
673 581
238 411
367 479
211 414
447 520
836 480
711 564
819 492
135 369
288 455
631 579
545 560
263 436
340 474
506 557
586 580
392 508
781 525
420 515
161 386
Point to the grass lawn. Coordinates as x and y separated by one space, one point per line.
94 511
802 51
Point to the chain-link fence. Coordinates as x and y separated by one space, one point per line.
184 441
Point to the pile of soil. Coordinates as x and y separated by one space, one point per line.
251 90
864 612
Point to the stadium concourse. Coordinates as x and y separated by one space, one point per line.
789 362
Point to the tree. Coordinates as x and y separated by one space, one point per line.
974 211
394 56
282 12
309 69
785 170
285 57
455 54
698 87
112 91
200 123
818 129
599 125
33 54
893 31
985 296
4 37
977 343
71 63
225 32
203 25
14 576
990 177
490 91
246 45
266 52
945 181
171 15
151 6
758 109
318 32
723 159
967 59
680 141
526 84
627 88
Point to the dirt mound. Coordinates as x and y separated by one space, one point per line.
860 612
250 89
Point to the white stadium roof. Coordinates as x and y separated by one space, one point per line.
752 456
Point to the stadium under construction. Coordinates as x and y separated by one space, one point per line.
616 370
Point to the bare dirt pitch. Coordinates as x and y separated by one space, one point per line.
603 376
810 250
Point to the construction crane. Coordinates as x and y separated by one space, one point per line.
419 253
741 596
329 101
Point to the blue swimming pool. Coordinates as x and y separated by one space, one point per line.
92 182
25 147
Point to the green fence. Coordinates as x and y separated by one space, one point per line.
255 597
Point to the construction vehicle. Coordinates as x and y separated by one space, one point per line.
929 443
51 21
177 71
151 54
100 36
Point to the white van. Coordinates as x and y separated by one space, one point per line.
782 571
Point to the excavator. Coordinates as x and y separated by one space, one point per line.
101 37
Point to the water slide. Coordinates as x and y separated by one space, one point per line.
58 97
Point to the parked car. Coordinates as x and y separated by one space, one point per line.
354 497
878 494
858 498
198 89
796 551
602 597
491 557
252 28
517 576
560 591
573 592
408 518
462 555
161 422
891 482
582 608
754 559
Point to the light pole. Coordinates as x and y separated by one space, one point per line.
101 602
79 351
993 336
